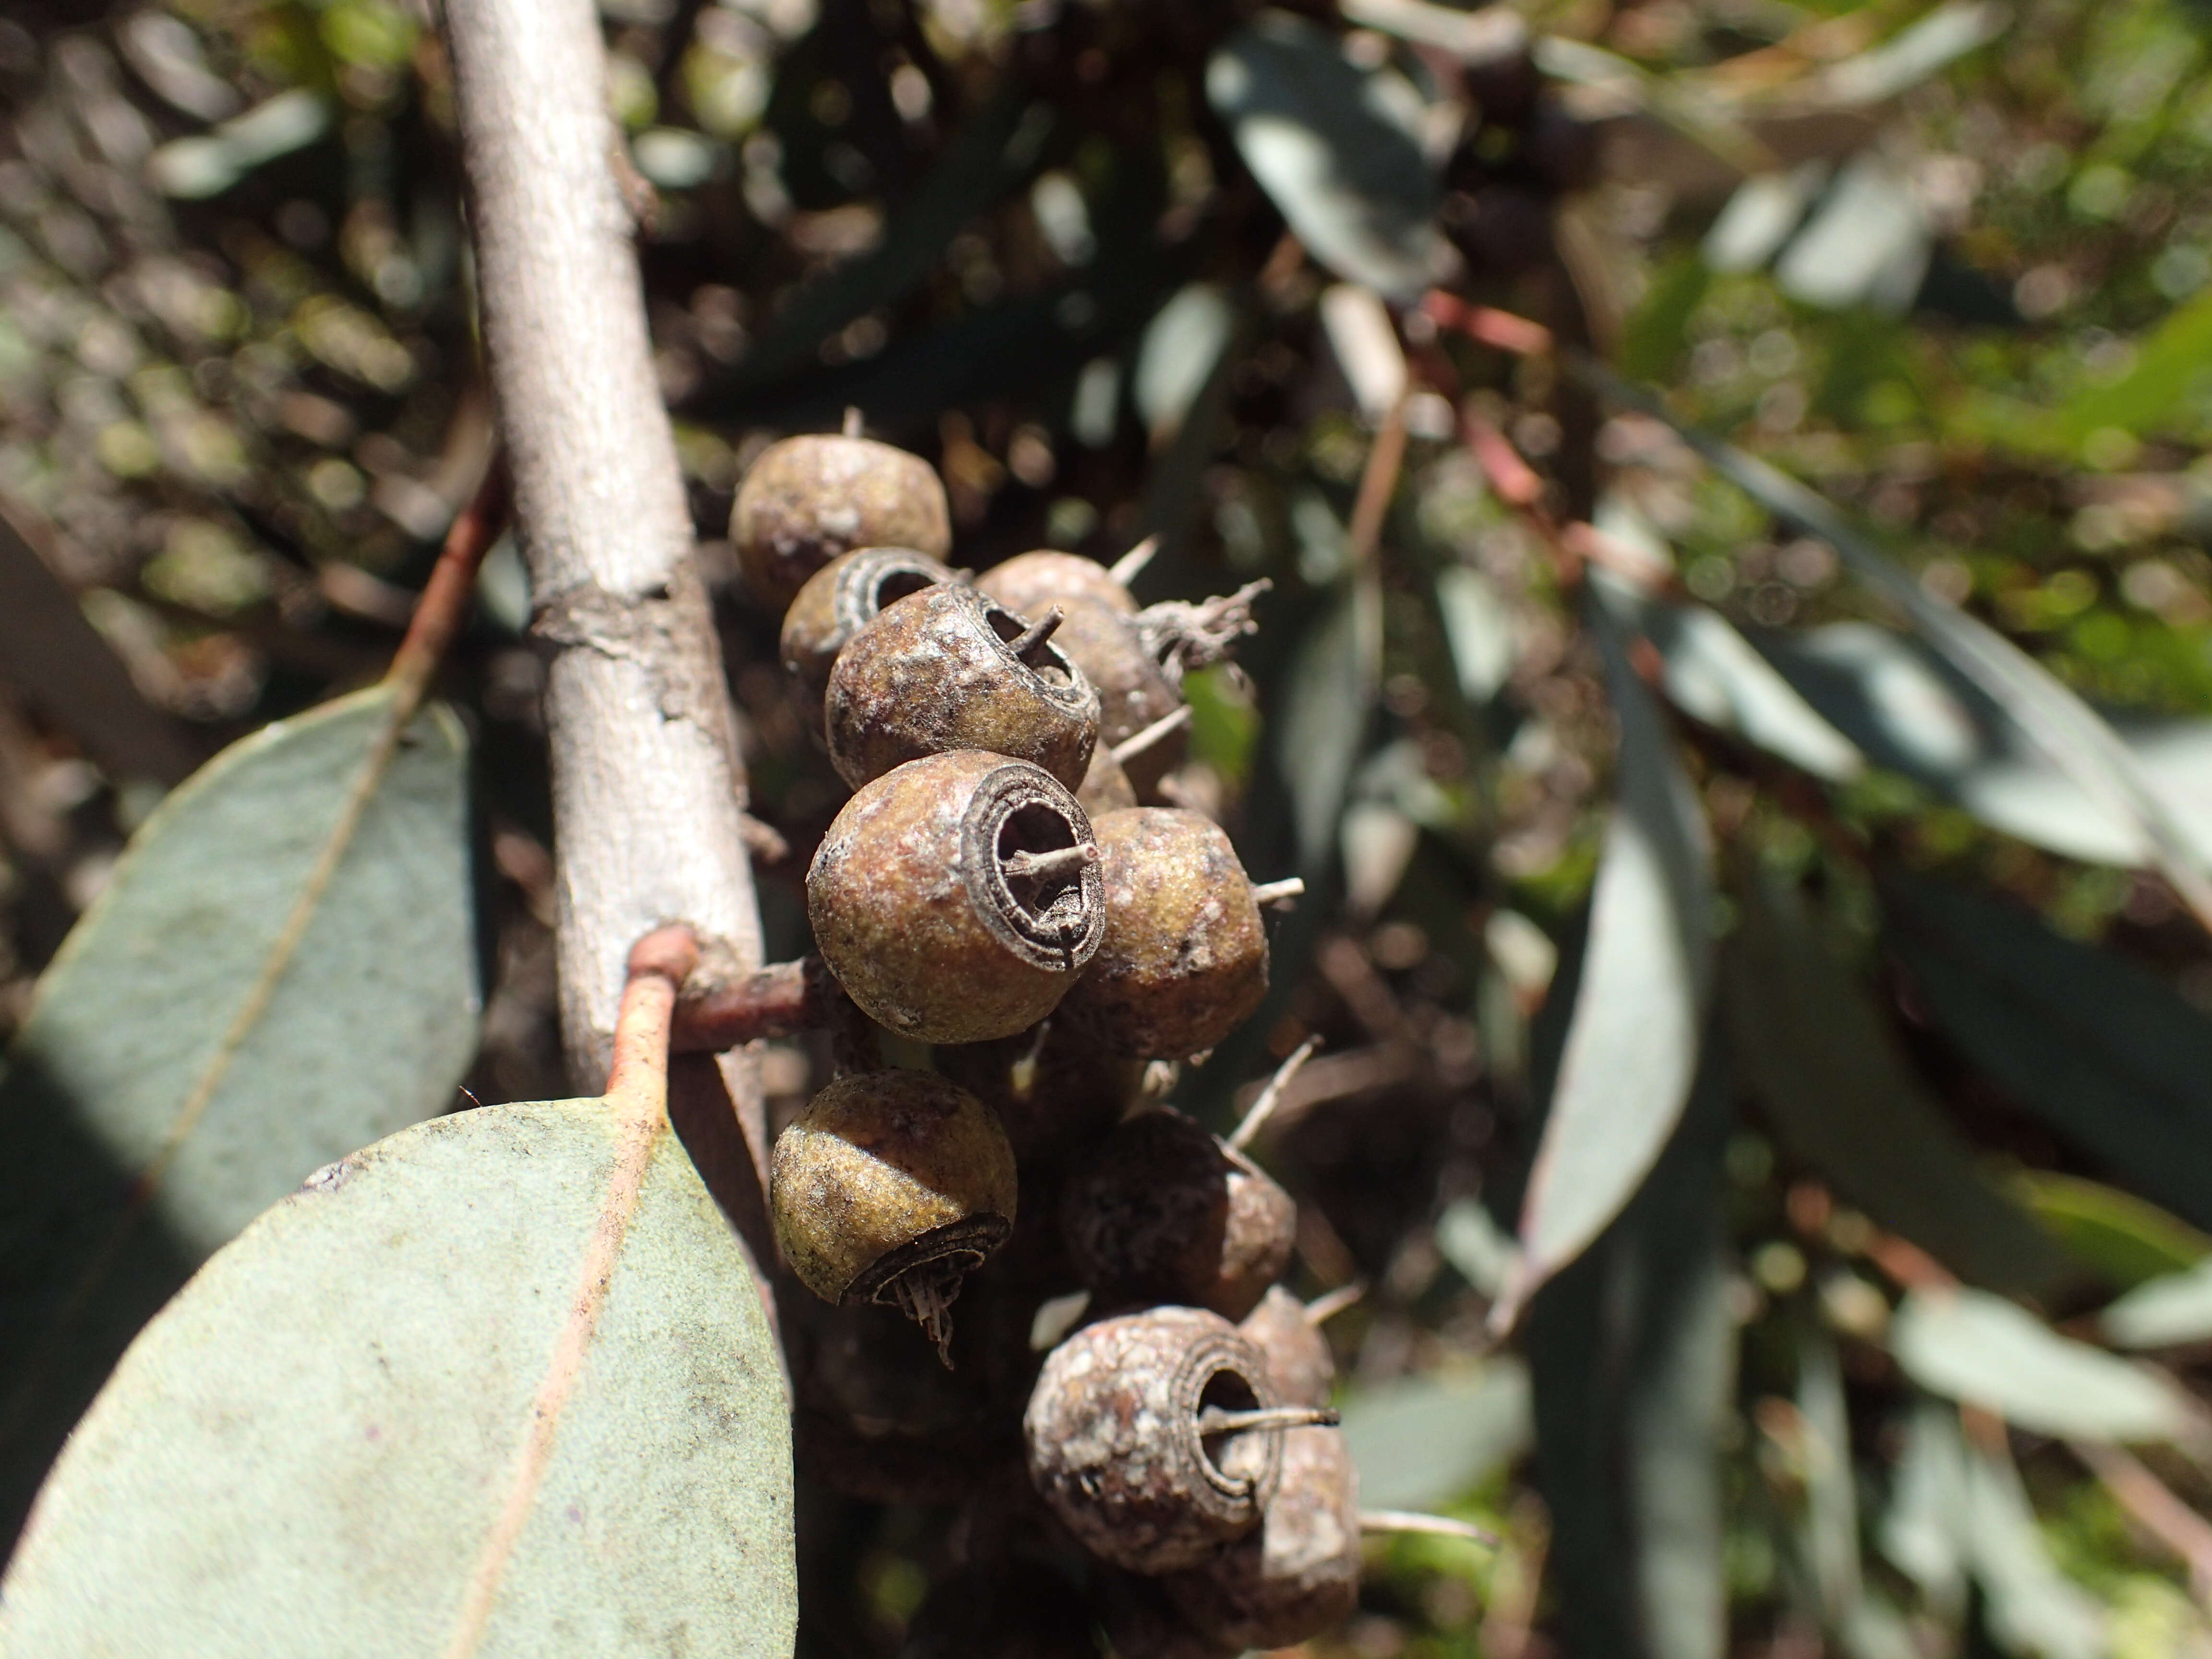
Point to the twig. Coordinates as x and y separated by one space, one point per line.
777 1001
1264 1419
1125 569
1435 1526
1278 893
648 793
1136 741
1378 483
1033 638
1487 326
1326 1306
1264 1107
445 603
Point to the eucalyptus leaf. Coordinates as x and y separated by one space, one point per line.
1842 1097
501 1384
281 970
1982 1350
1337 148
1631 1046
2105 1052
2127 1240
2163 1313
1428 1440
1632 1352
1329 701
2065 731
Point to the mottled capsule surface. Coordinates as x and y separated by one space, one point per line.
885 1173
1297 1575
921 909
1298 1357
839 600
1113 1438
1053 1089
1163 1210
1184 960
1133 690
1106 786
808 499
1030 582
946 669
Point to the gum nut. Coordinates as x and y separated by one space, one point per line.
839 600
1133 691
1298 1574
1030 582
1298 1357
808 499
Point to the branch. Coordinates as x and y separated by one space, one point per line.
648 792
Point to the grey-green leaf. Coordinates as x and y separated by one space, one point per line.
281 970
2104 1051
1327 702
2169 1310
1631 1046
499 1385
1842 1097
1982 1350
1423 1441
1336 148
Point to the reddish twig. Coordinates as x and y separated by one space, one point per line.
445 602
1486 325
780 1000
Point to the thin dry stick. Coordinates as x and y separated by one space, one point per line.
1270 1097
1138 741
1215 1421
1326 1306
1125 569
1280 893
1434 1526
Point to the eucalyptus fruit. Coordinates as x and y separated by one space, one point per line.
1155 1436
957 898
839 600
808 499
892 1187
1164 1211
946 668
1297 1573
1184 957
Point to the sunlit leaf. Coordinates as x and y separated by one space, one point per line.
1329 695
2163 1313
1866 243
283 970
1180 348
1981 1350
2105 1052
501 1384
2126 1239
1631 1048
1336 148
2068 733
1425 1441
1841 1097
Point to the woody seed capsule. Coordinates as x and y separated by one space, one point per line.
1116 1448
839 600
1184 959
956 897
892 1187
1298 1357
947 668
810 498
1032 582
1164 1211
1298 1574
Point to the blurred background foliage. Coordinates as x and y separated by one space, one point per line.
1115 270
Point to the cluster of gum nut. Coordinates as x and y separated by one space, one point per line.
998 889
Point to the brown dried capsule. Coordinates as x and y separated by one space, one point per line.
1031 583
1298 1574
1140 1622
808 499
1185 957
1052 1087
839 600
1155 1436
957 898
947 669
1106 786
1298 1357
1133 690
892 1187
1164 1211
